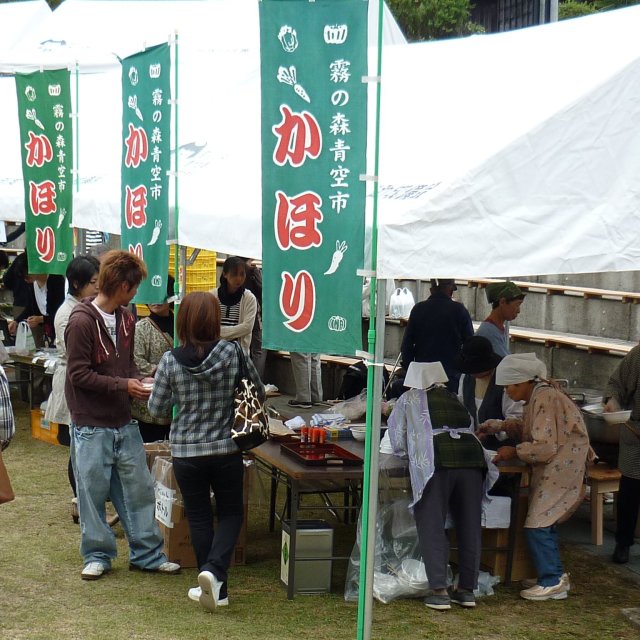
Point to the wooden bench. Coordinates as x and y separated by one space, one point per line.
560 289
602 479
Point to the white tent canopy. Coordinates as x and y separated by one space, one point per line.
219 107
500 155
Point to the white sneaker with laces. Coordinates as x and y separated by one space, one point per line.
210 590
540 593
93 571
194 594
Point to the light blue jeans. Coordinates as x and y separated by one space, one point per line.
545 554
110 463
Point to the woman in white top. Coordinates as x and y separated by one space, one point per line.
82 275
238 305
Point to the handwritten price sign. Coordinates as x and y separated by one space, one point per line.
164 505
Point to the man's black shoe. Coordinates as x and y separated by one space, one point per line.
621 554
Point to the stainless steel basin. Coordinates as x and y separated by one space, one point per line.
599 430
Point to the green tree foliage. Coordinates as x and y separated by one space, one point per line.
433 19
577 8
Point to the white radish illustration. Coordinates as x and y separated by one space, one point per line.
61 217
288 76
156 233
341 247
31 115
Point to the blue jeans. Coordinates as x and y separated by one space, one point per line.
110 463
197 477
545 554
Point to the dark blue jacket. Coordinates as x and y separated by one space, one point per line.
435 332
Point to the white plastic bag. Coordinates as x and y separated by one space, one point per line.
24 338
396 306
407 302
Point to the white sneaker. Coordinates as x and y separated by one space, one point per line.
169 567
93 571
194 594
527 583
210 590
539 593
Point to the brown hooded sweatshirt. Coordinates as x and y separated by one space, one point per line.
98 370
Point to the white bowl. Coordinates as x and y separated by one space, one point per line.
359 433
589 399
616 417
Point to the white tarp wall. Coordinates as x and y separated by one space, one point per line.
18 19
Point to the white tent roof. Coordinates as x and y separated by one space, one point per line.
514 154
17 19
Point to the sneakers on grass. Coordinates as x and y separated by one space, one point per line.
169 568
210 588
539 593
195 592
93 571
463 598
438 602
527 583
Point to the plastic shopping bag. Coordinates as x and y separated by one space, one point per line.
407 302
24 339
395 304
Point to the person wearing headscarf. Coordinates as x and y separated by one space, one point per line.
623 392
505 299
554 442
448 471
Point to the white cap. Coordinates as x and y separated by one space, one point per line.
422 375
520 367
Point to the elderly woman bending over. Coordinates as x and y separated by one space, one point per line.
554 442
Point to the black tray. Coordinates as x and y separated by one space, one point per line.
327 454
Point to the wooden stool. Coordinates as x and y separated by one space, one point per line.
602 479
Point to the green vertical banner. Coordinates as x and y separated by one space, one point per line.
314 136
46 136
146 160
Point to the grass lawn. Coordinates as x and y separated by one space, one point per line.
43 597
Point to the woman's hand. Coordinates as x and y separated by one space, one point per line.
489 427
505 453
34 321
612 405
12 326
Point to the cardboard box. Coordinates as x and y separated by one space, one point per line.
155 449
42 429
173 522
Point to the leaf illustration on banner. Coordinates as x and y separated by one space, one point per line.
46 244
298 300
137 250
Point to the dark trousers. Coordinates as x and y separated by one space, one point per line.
628 507
460 492
197 477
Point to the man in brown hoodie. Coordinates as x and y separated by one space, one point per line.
106 448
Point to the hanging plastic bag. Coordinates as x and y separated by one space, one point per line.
395 304
407 302
24 339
